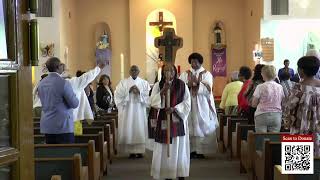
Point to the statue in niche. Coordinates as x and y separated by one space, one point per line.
104 41
218 36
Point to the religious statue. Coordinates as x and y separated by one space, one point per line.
47 50
104 41
218 34
103 53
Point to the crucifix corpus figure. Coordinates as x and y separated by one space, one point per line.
161 23
168 44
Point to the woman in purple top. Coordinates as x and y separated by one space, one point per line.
267 97
286 69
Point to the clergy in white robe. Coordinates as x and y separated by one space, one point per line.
203 121
83 111
132 98
177 165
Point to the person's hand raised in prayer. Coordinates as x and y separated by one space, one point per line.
169 110
165 88
101 64
131 89
134 89
194 81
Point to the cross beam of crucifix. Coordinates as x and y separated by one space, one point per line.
168 44
161 23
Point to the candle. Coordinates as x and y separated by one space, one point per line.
122 66
179 70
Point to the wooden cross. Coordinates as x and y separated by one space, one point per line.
161 23
168 44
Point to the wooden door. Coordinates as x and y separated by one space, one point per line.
16 128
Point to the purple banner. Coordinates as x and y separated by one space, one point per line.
104 55
219 62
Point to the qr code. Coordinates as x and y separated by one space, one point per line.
297 158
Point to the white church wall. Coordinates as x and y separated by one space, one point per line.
49 32
290 38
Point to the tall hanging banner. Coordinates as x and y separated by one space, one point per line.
219 51
219 62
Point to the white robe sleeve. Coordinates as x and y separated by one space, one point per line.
121 94
184 77
183 109
156 99
206 79
86 78
144 93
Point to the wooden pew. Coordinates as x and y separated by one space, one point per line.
36 124
230 131
103 123
248 147
63 168
108 116
100 145
315 176
241 135
56 177
266 158
106 130
87 151
93 130
222 123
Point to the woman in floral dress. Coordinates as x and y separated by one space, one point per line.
302 112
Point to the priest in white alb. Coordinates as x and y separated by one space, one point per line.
177 164
132 98
203 121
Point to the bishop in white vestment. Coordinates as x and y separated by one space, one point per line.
177 165
132 98
202 119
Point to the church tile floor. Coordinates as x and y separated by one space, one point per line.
217 167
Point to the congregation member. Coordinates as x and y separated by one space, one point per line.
104 94
255 81
314 52
132 98
178 164
229 100
78 84
286 84
285 69
202 119
267 98
245 74
302 110
36 100
90 94
58 101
